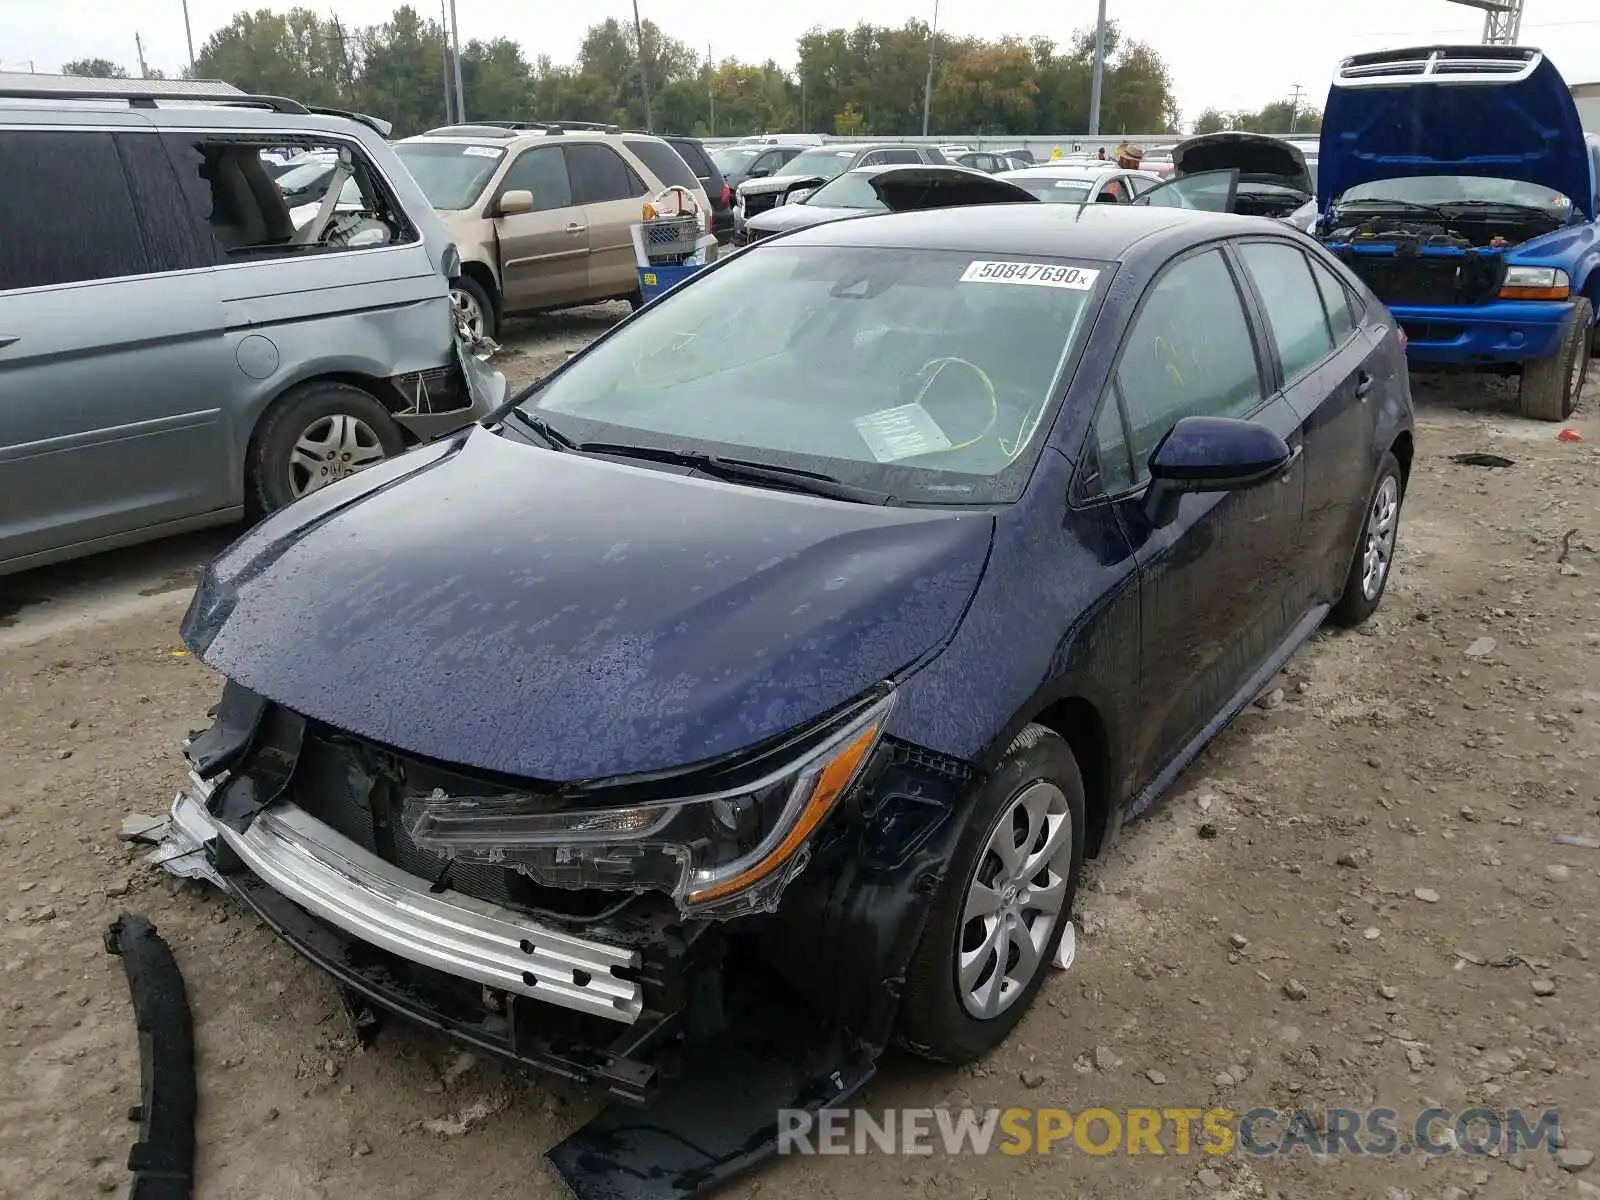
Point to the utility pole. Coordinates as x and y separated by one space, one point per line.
188 35
711 87
1099 71
644 67
927 86
1502 20
138 44
455 50
1294 107
444 45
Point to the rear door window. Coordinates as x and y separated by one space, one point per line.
900 156
664 161
1294 306
1336 300
67 210
599 174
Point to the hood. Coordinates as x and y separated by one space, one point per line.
912 189
768 184
1502 112
556 617
1258 157
798 216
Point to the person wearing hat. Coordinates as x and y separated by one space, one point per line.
1129 157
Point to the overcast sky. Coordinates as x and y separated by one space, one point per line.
1228 53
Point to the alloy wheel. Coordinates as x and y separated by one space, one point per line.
331 448
469 313
1382 523
1014 900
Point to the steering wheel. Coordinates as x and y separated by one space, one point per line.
933 368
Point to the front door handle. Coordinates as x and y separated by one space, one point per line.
1288 467
1363 385
575 227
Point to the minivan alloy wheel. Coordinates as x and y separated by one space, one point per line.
1383 520
468 311
331 448
1014 900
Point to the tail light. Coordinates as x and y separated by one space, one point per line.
727 196
1404 341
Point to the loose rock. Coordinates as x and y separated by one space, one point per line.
1155 1077
1426 895
1295 990
1543 987
1574 1160
1032 1077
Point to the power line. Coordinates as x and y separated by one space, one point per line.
1426 33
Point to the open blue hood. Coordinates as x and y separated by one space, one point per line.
1502 112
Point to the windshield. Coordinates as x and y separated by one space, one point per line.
1454 189
450 174
823 163
848 191
297 179
924 374
733 160
1055 191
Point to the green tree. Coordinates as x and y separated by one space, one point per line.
1211 120
94 68
295 54
402 71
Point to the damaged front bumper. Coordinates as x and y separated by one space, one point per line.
441 401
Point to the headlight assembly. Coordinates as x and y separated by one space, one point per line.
722 854
1535 283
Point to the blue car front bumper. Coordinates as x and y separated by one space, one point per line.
1506 331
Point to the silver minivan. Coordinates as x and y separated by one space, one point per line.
175 349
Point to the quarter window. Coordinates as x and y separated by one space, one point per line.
1294 306
599 175
542 171
67 211
664 161
1336 299
1189 353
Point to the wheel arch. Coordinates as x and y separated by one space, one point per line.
483 275
1404 450
1077 721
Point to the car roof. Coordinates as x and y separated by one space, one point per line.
1106 232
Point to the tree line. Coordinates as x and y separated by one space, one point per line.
1281 116
867 80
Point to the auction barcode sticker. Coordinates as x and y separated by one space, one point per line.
1078 279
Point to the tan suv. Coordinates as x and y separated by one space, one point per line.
542 213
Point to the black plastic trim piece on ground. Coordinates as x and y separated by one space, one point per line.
162 1160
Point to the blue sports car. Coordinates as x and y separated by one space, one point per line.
749 693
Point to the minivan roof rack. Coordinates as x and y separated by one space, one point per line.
150 97
147 98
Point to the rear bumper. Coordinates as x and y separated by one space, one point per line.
1507 331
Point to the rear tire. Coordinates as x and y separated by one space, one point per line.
1550 386
1372 562
937 1021
314 435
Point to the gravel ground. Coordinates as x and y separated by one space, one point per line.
1355 898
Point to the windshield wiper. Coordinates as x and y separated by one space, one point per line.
548 433
739 470
1384 202
1502 205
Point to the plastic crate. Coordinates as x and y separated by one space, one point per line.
671 239
653 281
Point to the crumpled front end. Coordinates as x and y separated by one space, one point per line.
582 963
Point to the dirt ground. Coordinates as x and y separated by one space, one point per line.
1355 898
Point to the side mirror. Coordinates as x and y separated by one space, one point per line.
1211 454
517 201
759 173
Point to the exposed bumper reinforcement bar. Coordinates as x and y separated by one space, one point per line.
333 878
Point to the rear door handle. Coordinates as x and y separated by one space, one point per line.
575 227
1363 385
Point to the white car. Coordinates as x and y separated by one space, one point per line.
1062 182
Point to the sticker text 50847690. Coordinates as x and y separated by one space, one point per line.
1078 279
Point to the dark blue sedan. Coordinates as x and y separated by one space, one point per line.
750 694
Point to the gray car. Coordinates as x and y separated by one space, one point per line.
176 350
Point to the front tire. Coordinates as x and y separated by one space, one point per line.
1550 386
474 307
312 436
1006 901
1372 562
